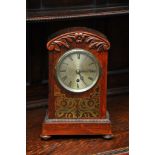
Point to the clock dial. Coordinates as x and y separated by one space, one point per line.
77 70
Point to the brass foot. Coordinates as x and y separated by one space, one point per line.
45 137
108 136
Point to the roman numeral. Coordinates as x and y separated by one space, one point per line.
91 64
78 55
64 78
90 78
77 85
70 58
92 70
62 70
65 63
70 84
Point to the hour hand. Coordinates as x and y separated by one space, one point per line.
81 77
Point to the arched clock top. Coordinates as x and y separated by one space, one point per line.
93 39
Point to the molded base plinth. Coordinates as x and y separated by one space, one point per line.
76 127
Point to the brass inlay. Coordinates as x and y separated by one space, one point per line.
88 107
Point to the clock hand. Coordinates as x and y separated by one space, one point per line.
81 77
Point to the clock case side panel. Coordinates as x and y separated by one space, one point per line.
51 83
103 97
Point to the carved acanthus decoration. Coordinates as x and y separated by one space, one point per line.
79 37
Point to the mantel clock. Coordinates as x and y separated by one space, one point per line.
78 60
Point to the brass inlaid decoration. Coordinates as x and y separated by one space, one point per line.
88 107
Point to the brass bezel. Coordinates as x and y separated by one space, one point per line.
88 54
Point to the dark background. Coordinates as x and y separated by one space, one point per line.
45 17
56 4
115 25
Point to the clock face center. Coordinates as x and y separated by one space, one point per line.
77 80
77 70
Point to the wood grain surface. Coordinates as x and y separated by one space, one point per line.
81 145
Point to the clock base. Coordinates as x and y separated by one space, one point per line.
76 127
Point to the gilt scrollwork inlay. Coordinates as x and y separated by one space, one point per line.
78 37
67 107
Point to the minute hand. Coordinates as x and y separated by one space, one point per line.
81 77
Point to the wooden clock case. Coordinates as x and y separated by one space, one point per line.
77 113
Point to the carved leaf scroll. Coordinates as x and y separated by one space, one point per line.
78 37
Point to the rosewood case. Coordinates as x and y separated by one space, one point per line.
77 113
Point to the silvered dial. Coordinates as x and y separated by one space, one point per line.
77 70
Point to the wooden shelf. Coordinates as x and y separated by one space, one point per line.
50 15
118 107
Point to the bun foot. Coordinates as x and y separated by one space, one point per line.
108 137
45 137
